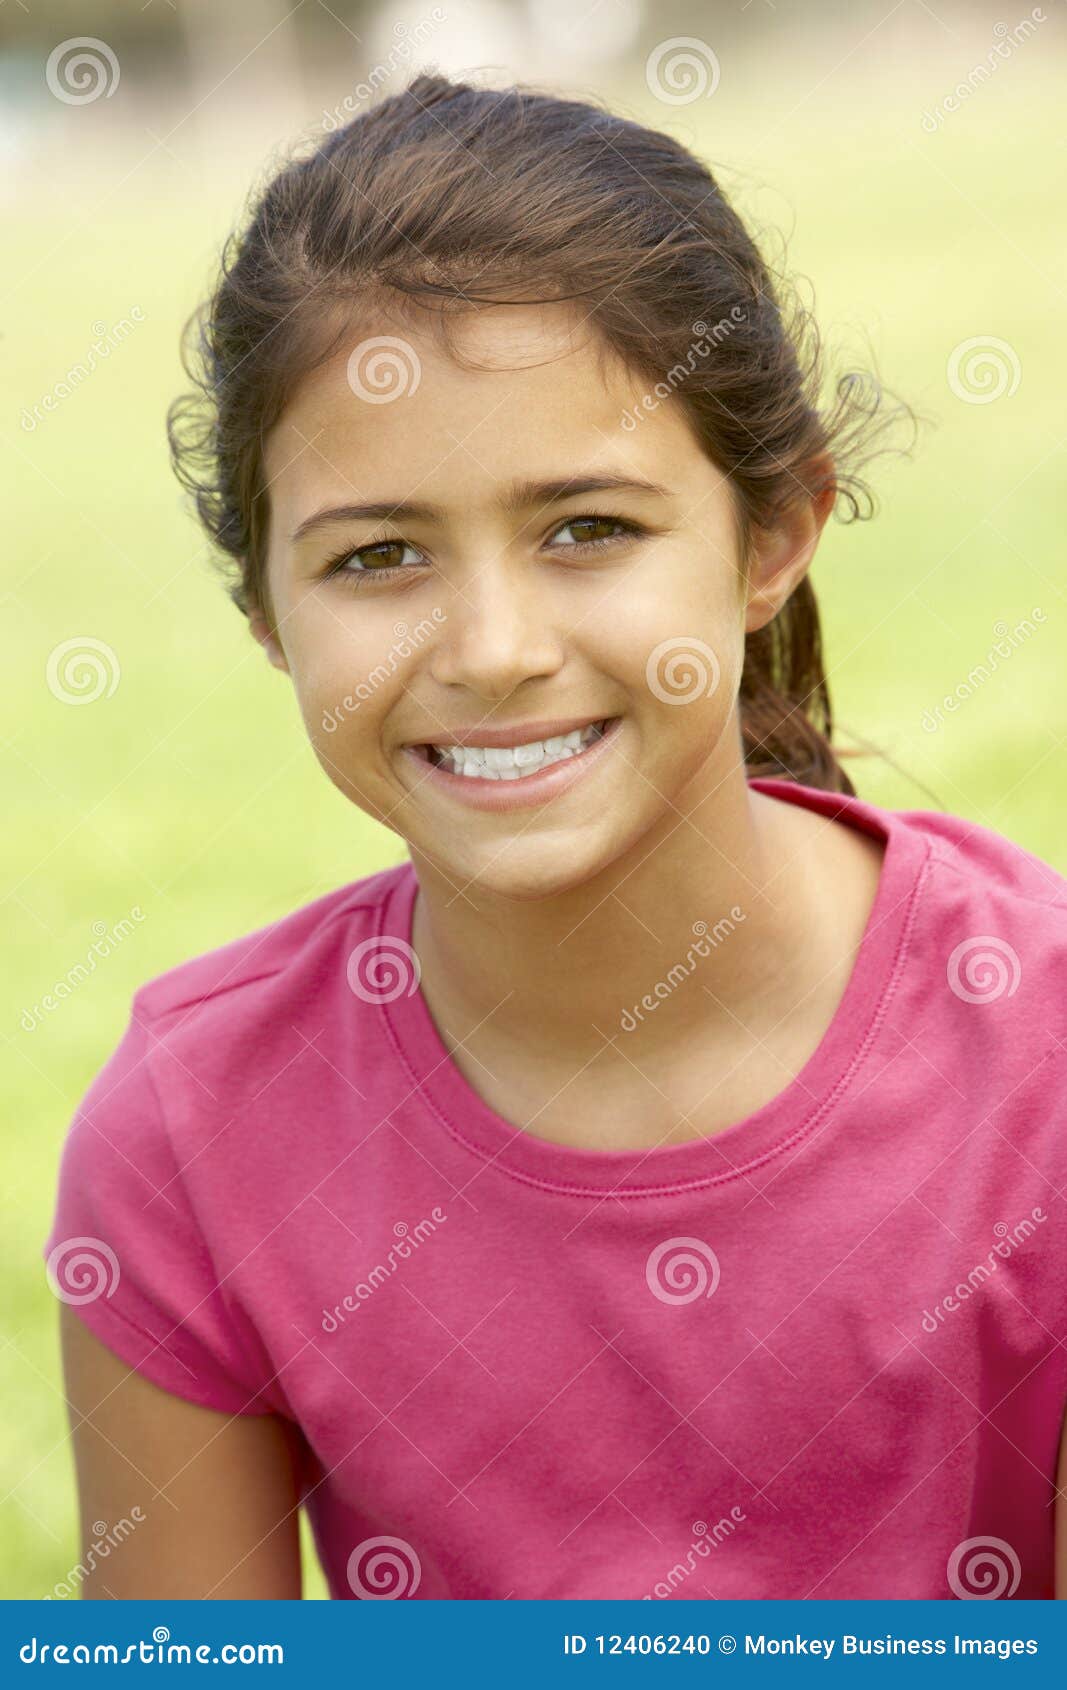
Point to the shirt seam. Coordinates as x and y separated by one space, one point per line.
820 1112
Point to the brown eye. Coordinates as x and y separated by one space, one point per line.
385 555
382 557
589 532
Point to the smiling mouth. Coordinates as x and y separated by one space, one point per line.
513 762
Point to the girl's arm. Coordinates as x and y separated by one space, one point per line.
187 1502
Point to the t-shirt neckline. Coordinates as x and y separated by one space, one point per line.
799 1109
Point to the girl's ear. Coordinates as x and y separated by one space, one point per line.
780 556
261 630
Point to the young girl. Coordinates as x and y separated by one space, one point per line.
641 1191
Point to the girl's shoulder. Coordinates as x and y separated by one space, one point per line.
282 957
972 917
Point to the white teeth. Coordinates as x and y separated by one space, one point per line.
512 762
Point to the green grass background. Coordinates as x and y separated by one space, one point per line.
191 792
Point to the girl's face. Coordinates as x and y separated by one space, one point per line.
455 551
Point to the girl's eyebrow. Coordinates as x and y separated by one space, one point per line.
521 495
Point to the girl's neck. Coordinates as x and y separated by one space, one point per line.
733 913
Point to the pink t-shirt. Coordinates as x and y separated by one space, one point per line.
818 1355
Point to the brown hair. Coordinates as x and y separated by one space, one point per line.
457 194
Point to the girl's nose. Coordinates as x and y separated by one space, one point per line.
498 631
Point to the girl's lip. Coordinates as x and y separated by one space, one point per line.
528 789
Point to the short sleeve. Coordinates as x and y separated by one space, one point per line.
125 1250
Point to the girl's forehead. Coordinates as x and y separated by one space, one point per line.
524 390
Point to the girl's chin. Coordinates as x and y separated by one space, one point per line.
531 869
